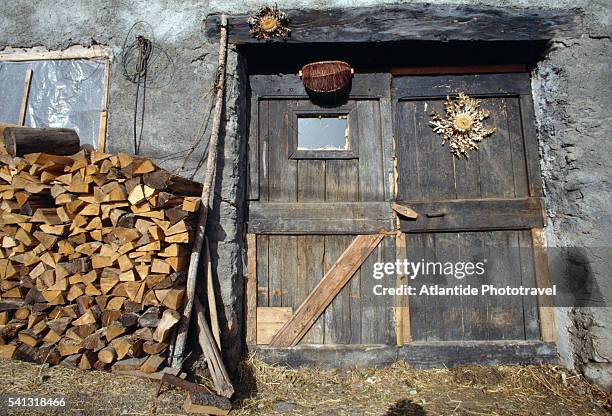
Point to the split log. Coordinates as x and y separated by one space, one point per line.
206 403
87 274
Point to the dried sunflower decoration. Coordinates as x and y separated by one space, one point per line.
463 126
268 23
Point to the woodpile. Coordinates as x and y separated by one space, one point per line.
93 252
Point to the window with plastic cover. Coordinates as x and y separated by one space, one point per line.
323 132
62 93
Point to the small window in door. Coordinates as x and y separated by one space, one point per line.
323 132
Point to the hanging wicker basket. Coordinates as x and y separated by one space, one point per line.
326 76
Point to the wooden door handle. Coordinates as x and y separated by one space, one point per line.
404 211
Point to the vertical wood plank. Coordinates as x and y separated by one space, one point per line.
496 176
377 312
407 153
264 149
276 270
104 113
341 184
338 315
417 249
282 170
371 181
263 296
504 314
283 270
386 123
310 257
517 148
530 303
402 303
436 169
253 150
446 313
251 290
467 176
311 180
311 248
531 145
24 97
388 324
473 308
546 309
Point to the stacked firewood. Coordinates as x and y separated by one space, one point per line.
93 253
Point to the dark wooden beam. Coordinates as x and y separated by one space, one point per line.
414 22
418 354
458 70
319 218
475 214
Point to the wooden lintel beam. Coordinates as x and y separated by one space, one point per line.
326 290
428 22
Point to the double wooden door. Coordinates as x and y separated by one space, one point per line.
310 196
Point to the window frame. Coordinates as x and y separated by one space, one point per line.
73 52
310 109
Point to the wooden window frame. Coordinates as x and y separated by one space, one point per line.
74 52
312 110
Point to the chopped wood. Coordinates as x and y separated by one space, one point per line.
206 403
92 259
129 364
107 354
169 319
152 363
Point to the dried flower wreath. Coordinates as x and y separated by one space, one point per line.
268 23
463 126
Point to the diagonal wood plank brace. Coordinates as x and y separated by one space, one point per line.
328 288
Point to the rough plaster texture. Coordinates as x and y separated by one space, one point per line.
572 90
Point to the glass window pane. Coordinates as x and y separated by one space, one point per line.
323 132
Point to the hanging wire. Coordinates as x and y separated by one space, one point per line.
147 65
143 48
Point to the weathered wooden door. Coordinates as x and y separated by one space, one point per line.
484 206
319 176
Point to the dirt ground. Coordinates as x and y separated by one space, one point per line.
269 390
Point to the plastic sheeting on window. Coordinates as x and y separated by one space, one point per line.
63 93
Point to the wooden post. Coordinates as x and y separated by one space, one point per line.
104 112
211 163
251 290
402 303
545 304
24 98
210 292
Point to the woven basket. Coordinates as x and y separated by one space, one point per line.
326 76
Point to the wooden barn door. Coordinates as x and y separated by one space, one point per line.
484 206
319 179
